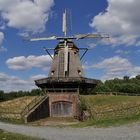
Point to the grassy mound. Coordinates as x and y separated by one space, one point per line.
101 108
16 105
106 102
10 111
107 110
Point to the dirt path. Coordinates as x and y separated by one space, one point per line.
129 132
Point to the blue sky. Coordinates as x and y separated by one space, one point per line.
22 62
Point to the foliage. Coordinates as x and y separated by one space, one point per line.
16 94
82 105
125 85
1 95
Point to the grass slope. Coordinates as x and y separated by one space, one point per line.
98 102
12 136
16 105
106 102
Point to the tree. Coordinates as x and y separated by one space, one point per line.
1 95
138 77
35 92
126 78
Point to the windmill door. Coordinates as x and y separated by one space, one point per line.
61 109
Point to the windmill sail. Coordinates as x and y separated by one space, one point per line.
65 44
66 59
67 54
64 26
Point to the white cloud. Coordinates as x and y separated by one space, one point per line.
2 49
13 83
39 76
116 67
92 45
122 52
28 15
26 63
121 20
1 37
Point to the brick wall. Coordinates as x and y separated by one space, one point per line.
65 97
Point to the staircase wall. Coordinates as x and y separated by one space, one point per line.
42 111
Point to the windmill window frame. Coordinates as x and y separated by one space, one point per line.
79 72
52 72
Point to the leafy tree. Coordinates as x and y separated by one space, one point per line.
1 95
138 77
126 78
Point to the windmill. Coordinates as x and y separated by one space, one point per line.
66 76
66 43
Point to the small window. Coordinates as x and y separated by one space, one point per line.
56 53
79 72
52 73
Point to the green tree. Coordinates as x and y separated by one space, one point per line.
1 95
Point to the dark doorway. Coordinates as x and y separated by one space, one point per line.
61 109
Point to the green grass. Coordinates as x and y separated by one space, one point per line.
98 102
106 102
16 105
108 123
13 108
12 136
101 103
12 120
108 99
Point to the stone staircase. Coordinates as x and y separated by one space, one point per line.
31 107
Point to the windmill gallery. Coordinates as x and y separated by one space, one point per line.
62 87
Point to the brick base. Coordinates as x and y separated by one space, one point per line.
65 104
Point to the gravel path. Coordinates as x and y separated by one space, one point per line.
129 132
